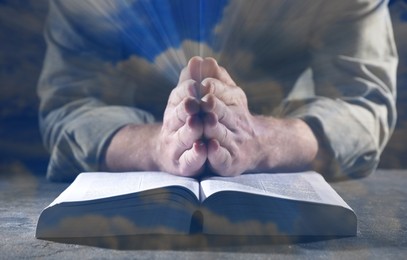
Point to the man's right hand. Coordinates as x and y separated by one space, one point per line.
180 149
175 146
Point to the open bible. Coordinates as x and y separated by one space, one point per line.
99 204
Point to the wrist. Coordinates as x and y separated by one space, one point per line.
285 144
132 148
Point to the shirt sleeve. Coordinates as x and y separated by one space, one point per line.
354 63
83 102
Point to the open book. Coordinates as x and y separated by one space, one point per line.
99 204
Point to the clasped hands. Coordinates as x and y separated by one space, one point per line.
207 121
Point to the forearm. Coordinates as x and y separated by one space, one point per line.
286 145
132 148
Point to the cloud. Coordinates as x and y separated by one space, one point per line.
166 67
151 82
97 14
21 53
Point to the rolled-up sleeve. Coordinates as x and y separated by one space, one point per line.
354 63
83 103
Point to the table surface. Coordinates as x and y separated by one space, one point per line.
379 201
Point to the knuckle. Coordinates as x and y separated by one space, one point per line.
187 88
179 114
222 115
181 143
209 81
174 91
184 70
174 97
240 93
166 124
188 82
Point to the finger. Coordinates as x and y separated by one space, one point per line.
225 93
212 86
187 88
176 117
192 70
189 133
192 161
214 130
211 104
220 159
224 76
209 68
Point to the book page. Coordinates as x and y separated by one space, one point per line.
305 186
97 185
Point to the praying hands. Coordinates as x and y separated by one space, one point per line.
207 123
209 119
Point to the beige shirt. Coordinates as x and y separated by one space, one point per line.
108 64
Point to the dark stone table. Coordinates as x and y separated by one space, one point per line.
380 202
